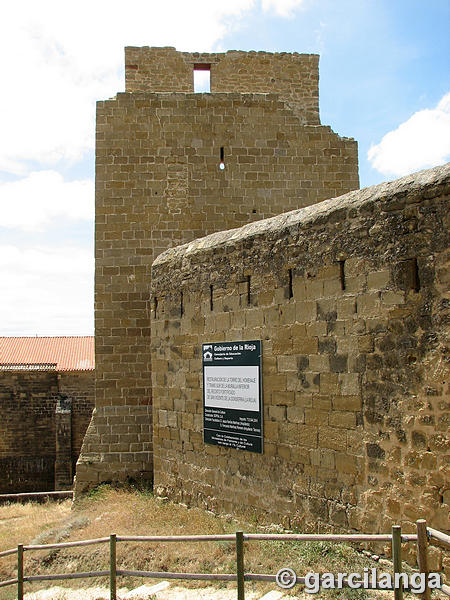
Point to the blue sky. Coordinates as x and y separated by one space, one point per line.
384 80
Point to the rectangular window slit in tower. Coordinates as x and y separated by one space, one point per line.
248 291
342 273
202 78
291 291
155 306
181 304
222 158
415 280
211 302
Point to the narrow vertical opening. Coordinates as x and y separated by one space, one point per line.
211 299
202 78
248 290
408 275
222 158
181 304
290 291
415 280
155 306
342 273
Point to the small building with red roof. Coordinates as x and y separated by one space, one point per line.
46 402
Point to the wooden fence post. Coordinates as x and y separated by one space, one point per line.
422 558
397 557
240 565
112 566
20 572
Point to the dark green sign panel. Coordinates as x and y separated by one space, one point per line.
232 395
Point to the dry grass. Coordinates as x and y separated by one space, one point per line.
130 512
22 522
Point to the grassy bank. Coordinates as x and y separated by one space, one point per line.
132 512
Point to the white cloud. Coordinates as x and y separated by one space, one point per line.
58 58
31 203
283 8
47 291
421 142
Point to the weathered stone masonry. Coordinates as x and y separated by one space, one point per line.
350 299
159 184
44 416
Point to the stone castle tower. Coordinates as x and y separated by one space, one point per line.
172 166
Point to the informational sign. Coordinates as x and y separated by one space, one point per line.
232 395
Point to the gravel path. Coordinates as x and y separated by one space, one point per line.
170 591
160 591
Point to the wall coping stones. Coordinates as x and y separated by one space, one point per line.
426 182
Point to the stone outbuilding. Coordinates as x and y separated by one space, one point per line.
46 401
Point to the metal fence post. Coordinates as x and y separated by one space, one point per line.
240 565
397 557
422 558
20 572
112 566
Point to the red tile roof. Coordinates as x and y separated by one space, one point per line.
43 353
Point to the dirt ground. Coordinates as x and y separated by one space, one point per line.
162 591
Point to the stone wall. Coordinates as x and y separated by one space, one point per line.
80 387
293 77
349 300
117 447
157 70
159 184
37 436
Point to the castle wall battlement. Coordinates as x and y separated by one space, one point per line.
293 77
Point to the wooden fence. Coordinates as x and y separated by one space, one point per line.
36 496
424 536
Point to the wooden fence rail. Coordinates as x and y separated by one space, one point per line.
424 536
36 496
103 540
443 538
